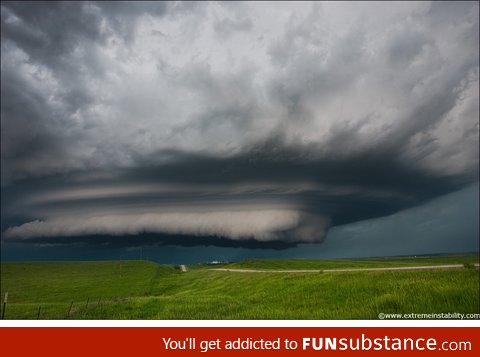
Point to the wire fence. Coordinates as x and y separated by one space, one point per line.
56 311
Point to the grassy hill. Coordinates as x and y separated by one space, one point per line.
146 290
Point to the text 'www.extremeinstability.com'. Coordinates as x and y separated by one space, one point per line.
431 316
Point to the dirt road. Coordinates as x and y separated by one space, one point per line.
421 267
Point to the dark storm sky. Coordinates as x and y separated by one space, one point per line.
256 123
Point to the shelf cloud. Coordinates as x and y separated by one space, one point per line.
264 226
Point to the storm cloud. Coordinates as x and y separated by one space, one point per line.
241 121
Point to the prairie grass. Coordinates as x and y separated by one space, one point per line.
146 290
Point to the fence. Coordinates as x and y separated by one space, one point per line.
62 310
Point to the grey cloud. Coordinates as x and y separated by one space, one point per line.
49 28
154 240
262 225
313 76
227 26
123 16
313 194
334 87
57 45
406 47
47 31
342 112
31 128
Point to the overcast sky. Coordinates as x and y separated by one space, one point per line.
262 122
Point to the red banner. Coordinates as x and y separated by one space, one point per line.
221 341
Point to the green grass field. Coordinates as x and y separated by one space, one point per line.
146 290
314 264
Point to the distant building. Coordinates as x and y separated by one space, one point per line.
215 262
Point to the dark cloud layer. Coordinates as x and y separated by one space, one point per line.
427 229
244 123
159 240
341 191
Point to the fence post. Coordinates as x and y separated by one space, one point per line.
4 304
70 309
